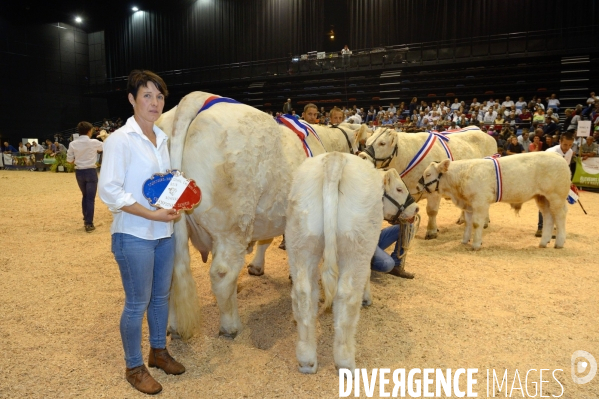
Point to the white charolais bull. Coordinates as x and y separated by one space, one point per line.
411 153
335 211
474 184
244 162
345 138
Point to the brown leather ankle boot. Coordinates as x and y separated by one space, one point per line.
399 271
141 380
160 358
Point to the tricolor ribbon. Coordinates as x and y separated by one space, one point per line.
429 143
573 194
498 178
210 101
300 128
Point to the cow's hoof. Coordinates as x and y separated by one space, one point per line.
541 245
308 368
430 236
254 271
460 221
366 303
486 225
227 335
559 247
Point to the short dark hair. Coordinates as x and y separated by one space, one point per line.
84 127
141 77
308 106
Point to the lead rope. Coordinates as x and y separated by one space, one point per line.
407 232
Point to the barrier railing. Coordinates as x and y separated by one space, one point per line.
548 41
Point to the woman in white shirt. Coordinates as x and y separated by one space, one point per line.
142 241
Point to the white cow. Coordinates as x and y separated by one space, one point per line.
335 210
474 184
243 162
387 147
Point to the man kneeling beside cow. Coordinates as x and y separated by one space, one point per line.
474 184
335 212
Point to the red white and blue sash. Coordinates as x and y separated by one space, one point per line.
429 143
498 178
210 101
300 128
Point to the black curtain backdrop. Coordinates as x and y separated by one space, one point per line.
213 32
386 22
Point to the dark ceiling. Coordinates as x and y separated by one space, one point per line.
96 15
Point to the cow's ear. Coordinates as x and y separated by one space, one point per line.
443 166
387 177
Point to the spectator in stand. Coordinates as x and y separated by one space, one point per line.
589 148
392 109
550 127
539 116
474 103
547 142
28 146
552 115
499 119
490 116
456 105
520 104
386 121
22 148
60 148
569 113
35 147
525 117
413 105
574 121
507 103
345 54
287 107
8 148
524 140
514 147
536 144
553 103
592 101
50 147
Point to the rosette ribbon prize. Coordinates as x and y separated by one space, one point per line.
171 190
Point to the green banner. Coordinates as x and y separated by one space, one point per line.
587 172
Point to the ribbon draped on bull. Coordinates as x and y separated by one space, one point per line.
426 148
300 128
210 101
498 177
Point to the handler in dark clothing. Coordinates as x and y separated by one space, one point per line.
83 152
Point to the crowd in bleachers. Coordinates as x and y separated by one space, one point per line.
514 124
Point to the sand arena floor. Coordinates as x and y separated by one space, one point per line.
509 306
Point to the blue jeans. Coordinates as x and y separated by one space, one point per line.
88 184
146 270
382 261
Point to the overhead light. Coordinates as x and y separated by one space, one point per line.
332 36
78 20
135 9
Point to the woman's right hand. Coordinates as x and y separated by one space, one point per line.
165 215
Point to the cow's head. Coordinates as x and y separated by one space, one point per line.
397 201
381 148
432 174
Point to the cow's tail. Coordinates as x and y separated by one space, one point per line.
187 110
333 171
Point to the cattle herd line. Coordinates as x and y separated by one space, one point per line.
257 183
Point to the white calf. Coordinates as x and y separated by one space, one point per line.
335 210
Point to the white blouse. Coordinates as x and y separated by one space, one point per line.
129 160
